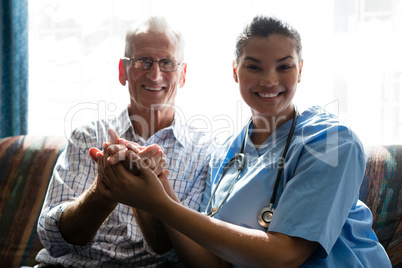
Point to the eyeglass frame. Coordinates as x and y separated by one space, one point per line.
158 61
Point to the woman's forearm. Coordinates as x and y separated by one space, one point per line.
153 231
191 253
235 244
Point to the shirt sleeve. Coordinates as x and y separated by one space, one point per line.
322 189
73 173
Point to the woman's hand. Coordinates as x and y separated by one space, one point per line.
144 191
121 150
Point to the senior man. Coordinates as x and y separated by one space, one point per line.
81 227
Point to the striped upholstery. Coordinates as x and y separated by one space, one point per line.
381 191
26 163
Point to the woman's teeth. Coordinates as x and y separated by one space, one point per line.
268 95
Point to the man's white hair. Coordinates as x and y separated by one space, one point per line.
155 24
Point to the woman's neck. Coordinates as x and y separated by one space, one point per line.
263 127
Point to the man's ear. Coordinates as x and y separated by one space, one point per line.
122 72
235 71
300 71
183 75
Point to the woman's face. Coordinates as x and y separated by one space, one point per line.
268 71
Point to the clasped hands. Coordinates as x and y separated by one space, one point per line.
131 174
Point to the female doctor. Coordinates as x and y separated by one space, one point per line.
284 192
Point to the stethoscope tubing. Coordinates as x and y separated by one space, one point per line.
285 151
241 155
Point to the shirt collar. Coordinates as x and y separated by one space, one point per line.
178 127
122 123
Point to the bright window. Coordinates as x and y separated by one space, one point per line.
351 51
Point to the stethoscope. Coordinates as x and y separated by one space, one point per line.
265 214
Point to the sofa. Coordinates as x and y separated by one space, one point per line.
26 163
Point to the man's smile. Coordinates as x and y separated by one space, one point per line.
153 88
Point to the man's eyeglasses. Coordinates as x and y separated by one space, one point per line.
144 63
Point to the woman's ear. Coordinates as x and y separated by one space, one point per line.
122 72
235 71
300 71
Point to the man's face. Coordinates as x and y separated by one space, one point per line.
152 89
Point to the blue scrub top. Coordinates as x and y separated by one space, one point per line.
318 193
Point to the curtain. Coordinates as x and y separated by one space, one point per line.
14 67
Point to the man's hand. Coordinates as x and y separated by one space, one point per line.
118 185
121 150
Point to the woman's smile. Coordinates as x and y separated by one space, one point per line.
268 72
269 96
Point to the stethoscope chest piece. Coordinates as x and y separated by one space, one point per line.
265 216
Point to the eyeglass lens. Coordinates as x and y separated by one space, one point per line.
166 65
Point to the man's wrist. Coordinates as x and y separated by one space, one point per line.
95 196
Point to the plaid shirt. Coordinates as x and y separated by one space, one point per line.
119 241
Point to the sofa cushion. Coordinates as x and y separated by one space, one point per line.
381 191
26 163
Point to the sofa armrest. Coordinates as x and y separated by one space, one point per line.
26 164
